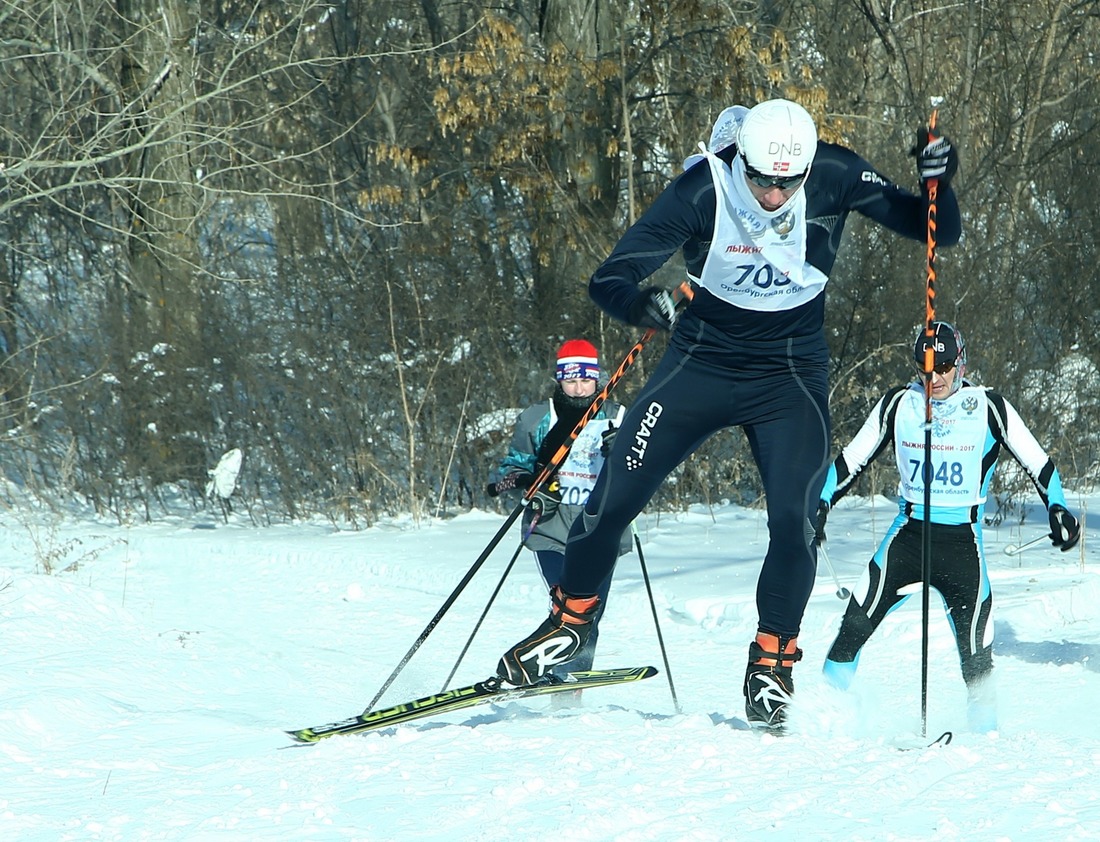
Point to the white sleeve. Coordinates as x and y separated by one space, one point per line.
867 444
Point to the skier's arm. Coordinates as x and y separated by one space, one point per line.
518 468
685 209
1009 429
873 195
871 440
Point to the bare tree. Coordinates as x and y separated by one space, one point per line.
336 235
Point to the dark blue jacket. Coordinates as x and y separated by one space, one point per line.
682 217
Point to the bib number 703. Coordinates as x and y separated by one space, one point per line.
945 473
764 275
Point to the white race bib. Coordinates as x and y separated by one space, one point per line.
755 262
959 430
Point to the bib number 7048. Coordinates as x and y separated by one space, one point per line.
945 474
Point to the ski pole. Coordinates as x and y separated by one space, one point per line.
656 622
447 603
929 363
492 598
1016 549
481 619
683 292
841 592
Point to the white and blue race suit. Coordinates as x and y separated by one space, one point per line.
969 430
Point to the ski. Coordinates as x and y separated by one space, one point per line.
483 692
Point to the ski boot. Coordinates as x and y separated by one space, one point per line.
839 674
581 662
560 638
768 682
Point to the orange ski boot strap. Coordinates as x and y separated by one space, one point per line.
575 610
765 650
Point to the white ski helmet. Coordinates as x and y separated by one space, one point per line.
778 137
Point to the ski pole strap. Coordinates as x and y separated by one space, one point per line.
683 292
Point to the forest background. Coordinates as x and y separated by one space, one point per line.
343 237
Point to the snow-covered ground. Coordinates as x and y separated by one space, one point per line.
146 690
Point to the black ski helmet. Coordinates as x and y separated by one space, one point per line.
948 347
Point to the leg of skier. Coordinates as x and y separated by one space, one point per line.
783 407
963 582
894 564
663 426
792 454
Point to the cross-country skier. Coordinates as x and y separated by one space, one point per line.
970 425
539 432
759 217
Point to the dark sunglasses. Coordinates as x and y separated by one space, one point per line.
941 369
783 182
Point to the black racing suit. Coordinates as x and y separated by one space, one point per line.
729 366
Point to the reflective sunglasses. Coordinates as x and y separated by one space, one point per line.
783 182
940 369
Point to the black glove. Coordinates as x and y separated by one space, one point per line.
819 522
517 479
653 307
607 438
1065 531
935 159
546 499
